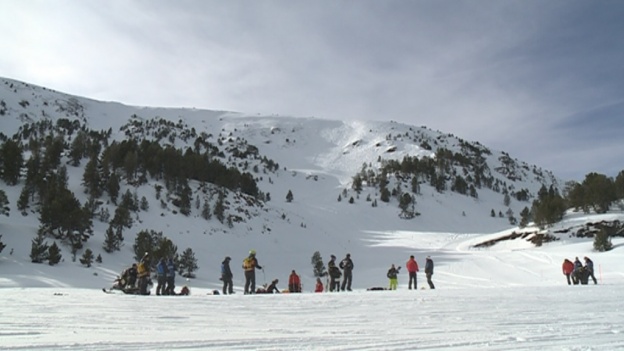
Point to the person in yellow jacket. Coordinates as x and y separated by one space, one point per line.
249 266
143 273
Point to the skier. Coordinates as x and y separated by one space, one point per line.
319 286
392 275
347 269
567 268
589 266
334 274
429 271
170 290
227 276
412 268
143 273
249 265
294 283
161 272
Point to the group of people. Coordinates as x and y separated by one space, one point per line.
250 264
577 273
136 279
412 269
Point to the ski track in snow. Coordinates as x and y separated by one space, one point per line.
461 319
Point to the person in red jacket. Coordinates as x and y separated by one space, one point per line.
319 286
567 268
412 268
294 283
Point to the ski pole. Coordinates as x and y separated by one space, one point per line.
263 276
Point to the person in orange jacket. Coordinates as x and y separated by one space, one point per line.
412 268
319 286
567 268
294 283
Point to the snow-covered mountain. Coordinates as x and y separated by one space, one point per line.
314 159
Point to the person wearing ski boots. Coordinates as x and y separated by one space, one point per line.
250 264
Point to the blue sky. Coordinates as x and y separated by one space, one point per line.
542 80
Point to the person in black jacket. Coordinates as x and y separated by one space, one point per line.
347 270
334 274
429 271
227 276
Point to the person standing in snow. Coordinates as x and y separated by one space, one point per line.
412 268
567 268
170 290
578 270
589 266
334 274
294 283
143 273
227 276
392 275
429 271
161 272
347 270
249 265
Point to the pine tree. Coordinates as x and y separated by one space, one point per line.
98 259
12 161
4 204
318 265
492 213
289 196
525 217
188 263
2 245
39 249
54 254
111 242
87 258
205 213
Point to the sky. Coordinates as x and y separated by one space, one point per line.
543 81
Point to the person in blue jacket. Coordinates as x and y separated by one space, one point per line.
161 272
170 290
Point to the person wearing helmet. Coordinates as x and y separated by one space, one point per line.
249 266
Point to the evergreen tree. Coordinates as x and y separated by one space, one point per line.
111 241
219 209
205 213
2 245
144 204
54 254
525 217
145 242
357 183
384 195
98 259
506 199
188 263
91 179
4 204
317 265
113 187
11 160
23 201
289 196
39 249
492 213
87 258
